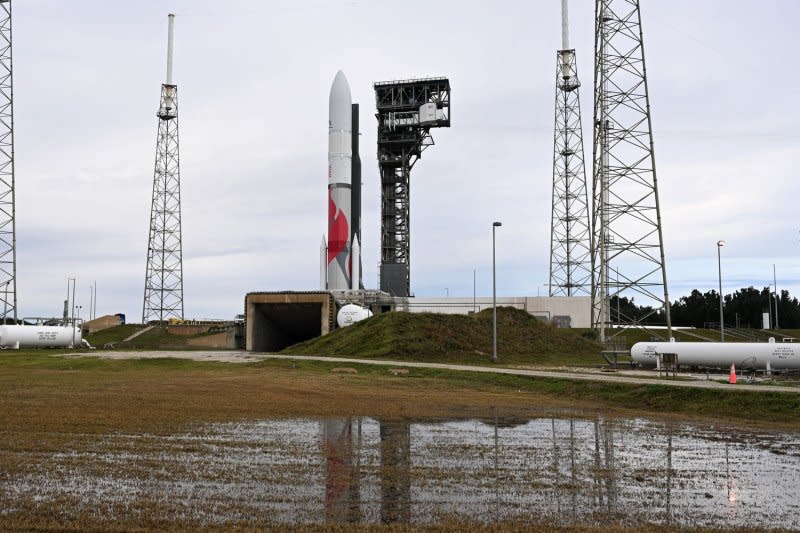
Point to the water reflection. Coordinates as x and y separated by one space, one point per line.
578 470
560 469
342 472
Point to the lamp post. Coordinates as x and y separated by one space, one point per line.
720 244
777 296
74 281
474 286
495 225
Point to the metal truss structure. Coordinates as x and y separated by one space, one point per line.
627 237
163 286
570 237
8 228
406 112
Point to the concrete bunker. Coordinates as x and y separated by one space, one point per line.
276 320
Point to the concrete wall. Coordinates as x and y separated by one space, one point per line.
100 323
578 308
224 340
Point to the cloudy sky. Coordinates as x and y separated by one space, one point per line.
254 78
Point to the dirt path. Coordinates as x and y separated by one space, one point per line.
587 375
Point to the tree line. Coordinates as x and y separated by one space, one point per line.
744 309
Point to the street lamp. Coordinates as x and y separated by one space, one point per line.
495 225
74 281
720 244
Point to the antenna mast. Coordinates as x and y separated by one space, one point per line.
8 231
570 257
163 287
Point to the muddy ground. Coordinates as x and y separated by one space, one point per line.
76 436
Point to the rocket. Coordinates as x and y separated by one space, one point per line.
342 258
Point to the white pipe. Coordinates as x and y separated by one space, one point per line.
564 25
170 40
355 258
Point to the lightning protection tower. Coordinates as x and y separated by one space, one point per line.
163 284
407 110
570 257
627 245
8 231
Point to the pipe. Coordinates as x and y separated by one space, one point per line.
170 41
564 25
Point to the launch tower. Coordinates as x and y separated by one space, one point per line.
570 256
407 110
163 284
8 231
627 245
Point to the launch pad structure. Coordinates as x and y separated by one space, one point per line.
627 238
163 286
406 112
8 232
570 236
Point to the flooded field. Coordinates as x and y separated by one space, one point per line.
561 469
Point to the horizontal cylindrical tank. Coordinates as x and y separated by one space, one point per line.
745 355
15 336
350 314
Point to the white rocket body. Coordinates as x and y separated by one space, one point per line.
340 177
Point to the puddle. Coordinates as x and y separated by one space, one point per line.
564 470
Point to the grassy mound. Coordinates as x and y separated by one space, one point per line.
112 335
157 338
521 339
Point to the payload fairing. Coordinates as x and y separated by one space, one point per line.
343 259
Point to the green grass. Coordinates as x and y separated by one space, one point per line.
67 360
113 335
653 399
650 399
522 339
157 338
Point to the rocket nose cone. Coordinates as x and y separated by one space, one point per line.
340 103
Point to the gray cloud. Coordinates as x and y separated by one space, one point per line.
254 80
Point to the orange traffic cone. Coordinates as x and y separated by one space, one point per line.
732 379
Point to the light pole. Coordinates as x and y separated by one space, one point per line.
474 286
720 244
74 282
777 296
495 225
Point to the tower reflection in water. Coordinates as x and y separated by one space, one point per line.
342 445
342 469
499 468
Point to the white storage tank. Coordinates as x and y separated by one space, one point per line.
350 314
15 336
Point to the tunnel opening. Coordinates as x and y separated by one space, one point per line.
278 320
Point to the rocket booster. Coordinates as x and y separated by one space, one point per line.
340 164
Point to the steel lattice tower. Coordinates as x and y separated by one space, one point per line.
627 238
407 110
8 228
163 285
570 256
